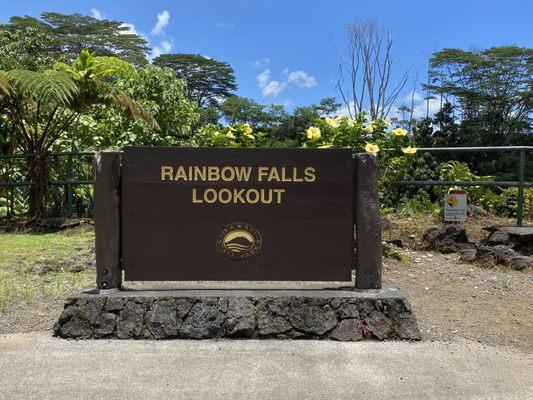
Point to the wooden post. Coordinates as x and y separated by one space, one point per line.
367 223
107 219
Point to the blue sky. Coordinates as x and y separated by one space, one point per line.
285 51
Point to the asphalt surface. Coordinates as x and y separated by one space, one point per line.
38 366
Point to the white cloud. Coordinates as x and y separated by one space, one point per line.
263 77
162 48
345 110
272 88
269 88
261 63
96 13
300 79
421 109
131 29
224 24
414 96
163 19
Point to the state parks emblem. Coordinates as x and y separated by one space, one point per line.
239 241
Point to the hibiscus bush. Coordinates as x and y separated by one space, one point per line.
238 135
394 146
358 134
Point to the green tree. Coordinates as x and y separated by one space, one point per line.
160 92
237 109
491 89
65 36
208 81
41 106
25 49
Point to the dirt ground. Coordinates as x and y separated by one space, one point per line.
451 299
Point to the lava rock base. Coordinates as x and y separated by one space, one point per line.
343 315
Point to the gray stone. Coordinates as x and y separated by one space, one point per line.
499 237
520 238
364 306
115 303
503 255
276 306
269 324
485 256
91 309
219 313
395 305
467 255
203 321
105 326
130 321
520 263
312 318
76 328
335 303
446 239
348 310
240 316
68 312
183 306
408 327
162 320
348 330
379 325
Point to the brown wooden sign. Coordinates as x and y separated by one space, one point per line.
237 214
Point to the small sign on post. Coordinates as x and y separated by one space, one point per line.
455 205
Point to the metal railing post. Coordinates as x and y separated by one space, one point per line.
68 186
521 173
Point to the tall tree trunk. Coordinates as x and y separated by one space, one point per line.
40 173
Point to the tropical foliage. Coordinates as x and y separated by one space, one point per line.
42 106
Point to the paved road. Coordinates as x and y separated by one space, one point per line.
38 366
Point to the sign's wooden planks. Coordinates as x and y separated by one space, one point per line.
237 214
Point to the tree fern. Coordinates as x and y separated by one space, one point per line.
49 87
5 87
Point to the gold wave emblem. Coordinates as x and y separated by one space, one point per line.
239 241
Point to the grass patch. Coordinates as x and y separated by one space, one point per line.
41 265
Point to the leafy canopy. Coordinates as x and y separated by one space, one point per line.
208 81
64 36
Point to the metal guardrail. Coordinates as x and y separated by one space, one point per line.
521 183
68 183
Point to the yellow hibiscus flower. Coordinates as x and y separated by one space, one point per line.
247 130
368 128
351 122
333 123
410 150
230 135
371 148
249 136
399 132
386 123
313 133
